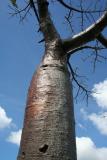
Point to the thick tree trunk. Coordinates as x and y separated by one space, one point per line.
49 127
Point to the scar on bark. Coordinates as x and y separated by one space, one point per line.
44 65
43 148
23 154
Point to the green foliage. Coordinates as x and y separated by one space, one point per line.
13 2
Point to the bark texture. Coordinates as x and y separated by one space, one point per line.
49 127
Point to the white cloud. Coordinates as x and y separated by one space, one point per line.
81 126
15 137
5 121
100 94
87 150
84 113
100 121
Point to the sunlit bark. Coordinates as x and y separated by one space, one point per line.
49 127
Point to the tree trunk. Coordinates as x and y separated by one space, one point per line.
49 127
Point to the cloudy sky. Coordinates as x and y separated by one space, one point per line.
20 55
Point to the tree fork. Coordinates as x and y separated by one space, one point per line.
49 125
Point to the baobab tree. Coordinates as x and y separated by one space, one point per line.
49 125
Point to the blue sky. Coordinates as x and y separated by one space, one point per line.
20 56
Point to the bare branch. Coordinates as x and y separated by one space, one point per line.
46 23
22 13
82 89
102 40
77 10
87 35
95 55
34 9
68 17
85 47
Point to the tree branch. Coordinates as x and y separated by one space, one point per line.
34 9
87 35
46 24
102 40
77 10
82 89
85 47
22 13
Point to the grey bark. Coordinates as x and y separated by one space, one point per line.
49 127
89 34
